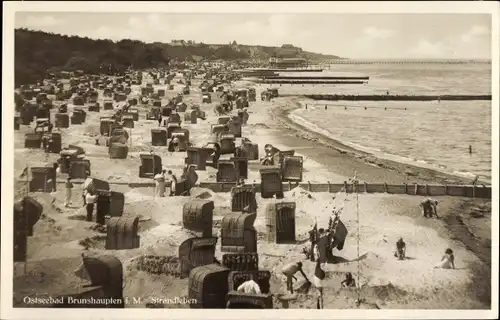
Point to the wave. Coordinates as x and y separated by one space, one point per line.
379 153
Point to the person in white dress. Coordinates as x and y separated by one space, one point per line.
160 183
67 198
447 261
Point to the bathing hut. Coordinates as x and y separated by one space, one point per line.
242 197
208 286
238 234
195 252
122 233
280 222
197 216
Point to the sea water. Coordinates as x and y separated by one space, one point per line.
428 134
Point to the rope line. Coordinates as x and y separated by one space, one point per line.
357 218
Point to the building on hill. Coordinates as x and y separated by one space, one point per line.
287 62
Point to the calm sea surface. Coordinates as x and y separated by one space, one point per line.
428 134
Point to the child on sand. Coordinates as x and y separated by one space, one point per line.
349 281
447 261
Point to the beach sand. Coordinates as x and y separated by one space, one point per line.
376 220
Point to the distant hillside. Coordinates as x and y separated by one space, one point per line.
37 53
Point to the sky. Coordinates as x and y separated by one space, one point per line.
356 36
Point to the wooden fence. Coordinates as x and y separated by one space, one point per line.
471 191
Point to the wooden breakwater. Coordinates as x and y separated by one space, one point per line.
471 191
276 81
273 77
381 97
294 70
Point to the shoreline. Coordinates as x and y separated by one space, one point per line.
369 167
339 158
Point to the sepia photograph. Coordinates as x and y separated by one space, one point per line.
250 155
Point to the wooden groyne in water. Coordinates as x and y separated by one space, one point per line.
273 77
292 70
276 81
470 191
381 97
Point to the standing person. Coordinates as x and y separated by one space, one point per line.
160 183
319 276
45 144
90 201
400 249
55 167
84 196
289 271
69 187
447 261
159 119
173 181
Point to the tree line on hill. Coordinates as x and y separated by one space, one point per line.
38 53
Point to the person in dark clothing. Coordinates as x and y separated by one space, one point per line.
348 281
400 249
90 201
55 166
216 154
45 144
173 182
159 120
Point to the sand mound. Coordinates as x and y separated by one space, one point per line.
299 195
95 242
207 194
147 209
384 292
47 278
138 194
168 265
258 126
139 147
370 260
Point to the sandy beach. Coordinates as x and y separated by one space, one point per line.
385 282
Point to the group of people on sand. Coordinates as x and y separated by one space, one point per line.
447 261
165 179
429 208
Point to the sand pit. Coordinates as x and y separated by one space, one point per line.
384 281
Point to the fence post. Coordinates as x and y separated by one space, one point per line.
416 188
445 189
474 191
385 187
345 186
309 186
406 188
329 187
366 187
289 185
426 189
